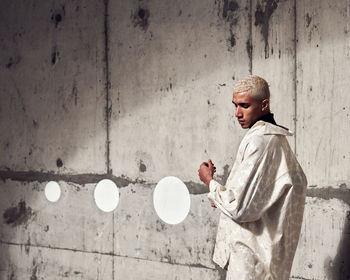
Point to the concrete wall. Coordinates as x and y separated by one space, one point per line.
137 90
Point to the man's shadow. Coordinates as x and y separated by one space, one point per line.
339 268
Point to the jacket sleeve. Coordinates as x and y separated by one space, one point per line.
250 189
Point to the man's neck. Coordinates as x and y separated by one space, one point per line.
270 119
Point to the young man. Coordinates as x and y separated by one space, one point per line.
262 202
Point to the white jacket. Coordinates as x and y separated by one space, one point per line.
262 206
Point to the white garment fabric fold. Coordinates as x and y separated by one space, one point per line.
262 205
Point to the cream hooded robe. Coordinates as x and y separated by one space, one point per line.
262 207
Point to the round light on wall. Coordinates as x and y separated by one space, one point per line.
106 195
171 200
52 191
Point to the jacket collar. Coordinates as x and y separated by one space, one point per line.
269 128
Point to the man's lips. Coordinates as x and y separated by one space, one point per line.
241 121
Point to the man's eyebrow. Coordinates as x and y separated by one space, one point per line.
240 103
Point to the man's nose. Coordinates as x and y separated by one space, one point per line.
238 112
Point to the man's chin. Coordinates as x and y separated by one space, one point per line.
244 125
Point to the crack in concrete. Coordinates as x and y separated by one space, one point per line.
111 254
302 278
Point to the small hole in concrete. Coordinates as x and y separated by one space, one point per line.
171 200
59 163
52 191
141 13
58 18
142 166
106 195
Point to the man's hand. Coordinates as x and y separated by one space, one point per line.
206 171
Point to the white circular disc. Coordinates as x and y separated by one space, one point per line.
52 191
106 195
171 200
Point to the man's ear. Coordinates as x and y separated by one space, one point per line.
265 105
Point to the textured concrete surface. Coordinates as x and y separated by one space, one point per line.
273 55
74 222
171 74
52 106
323 107
139 233
34 263
137 90
327 255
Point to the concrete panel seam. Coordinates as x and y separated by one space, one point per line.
198 265
250 53
108 107
295 77
108 84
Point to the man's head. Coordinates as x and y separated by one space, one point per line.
251 97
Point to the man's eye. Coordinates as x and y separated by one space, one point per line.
245 106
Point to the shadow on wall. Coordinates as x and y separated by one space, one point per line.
339 268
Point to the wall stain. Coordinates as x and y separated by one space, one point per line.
27 246
58 15
228 8
160 226
20 97
81 179
249 48
142 166
312 29
262 18
11 272
140 18
75 93
35 124
342 193
228 11
34 271
232 40
19 214
13 61
308 20
54 55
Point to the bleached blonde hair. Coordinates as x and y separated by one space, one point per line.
255 85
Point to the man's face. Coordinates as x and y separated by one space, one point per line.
248 109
